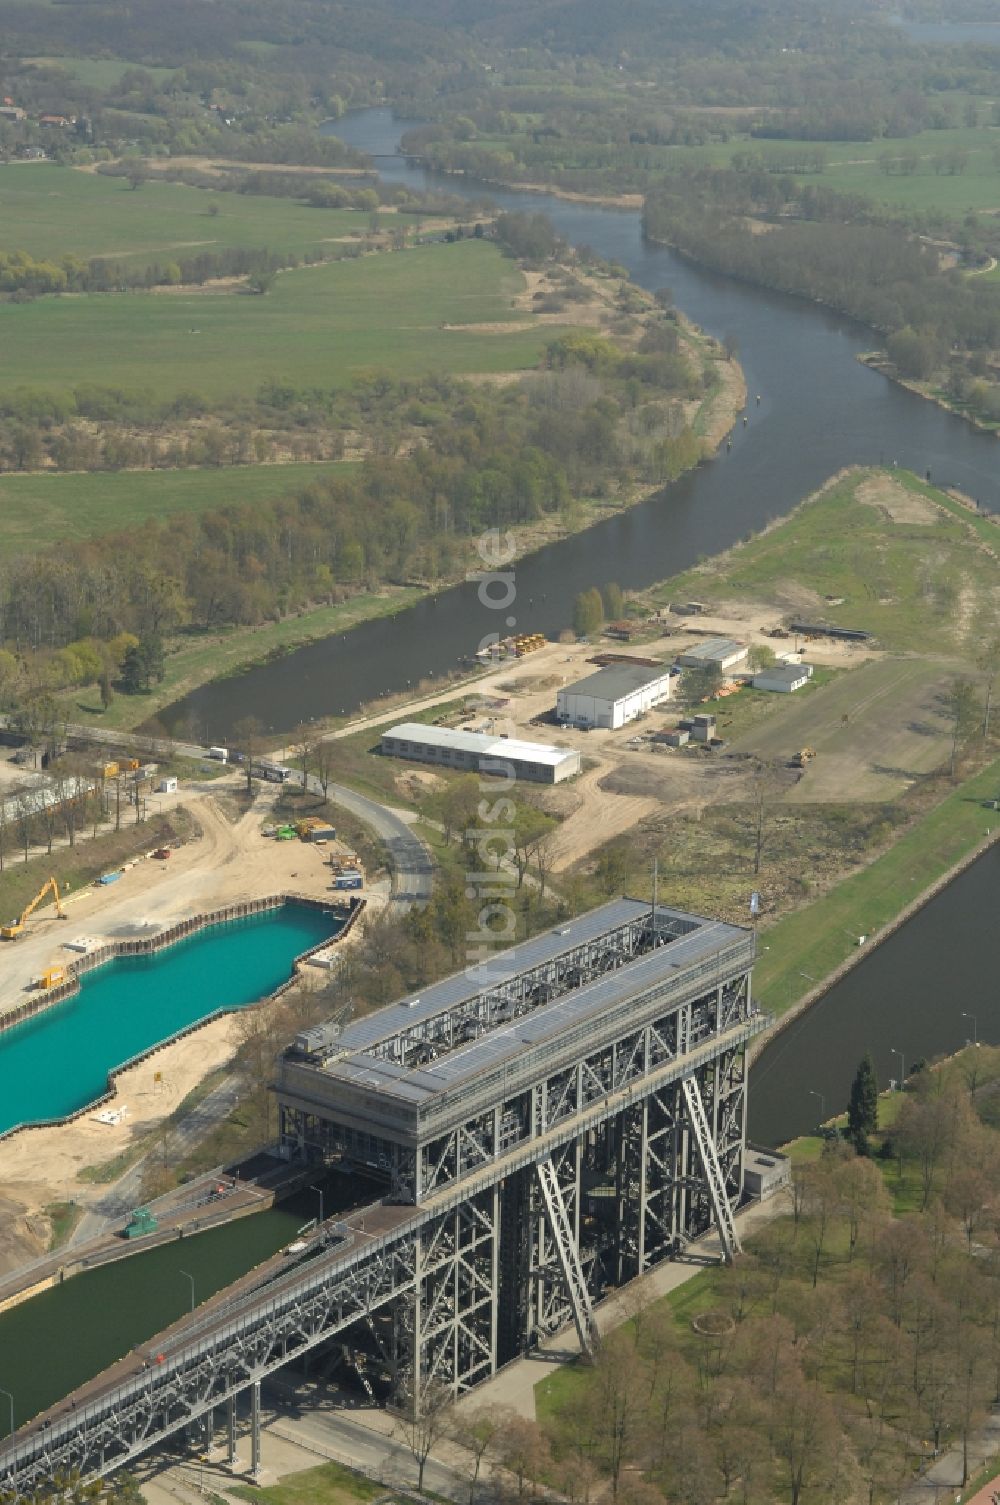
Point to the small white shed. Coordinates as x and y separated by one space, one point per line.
783 678
167 785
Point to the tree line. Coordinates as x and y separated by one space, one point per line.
853 1341
829 248
486 458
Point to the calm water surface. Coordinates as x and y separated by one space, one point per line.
89 1322
59 1061
819 410
910 995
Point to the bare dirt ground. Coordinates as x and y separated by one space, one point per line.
223 166
40 1166
229 861
590 818
875 732
895 502
627 788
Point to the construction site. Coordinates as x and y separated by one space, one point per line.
219 860
544 1130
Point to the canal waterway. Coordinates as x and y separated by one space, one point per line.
820 410
90 1321
57 1062
924 992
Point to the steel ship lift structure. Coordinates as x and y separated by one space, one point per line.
550 1124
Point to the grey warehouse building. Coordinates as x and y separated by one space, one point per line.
475 752
614 695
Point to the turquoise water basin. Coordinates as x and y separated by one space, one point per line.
58 1062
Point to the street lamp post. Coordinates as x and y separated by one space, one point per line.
975 1026
11 1400
902 1065
822 1104
319 1192
191 1279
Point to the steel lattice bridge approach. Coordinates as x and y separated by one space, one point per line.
550 1125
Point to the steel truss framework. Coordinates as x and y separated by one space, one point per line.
520 993
525 1214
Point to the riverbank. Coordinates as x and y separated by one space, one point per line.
568 195
200 658
197 661
877 360
872 904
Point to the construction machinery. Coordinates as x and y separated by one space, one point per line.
52 977
802 757
15 929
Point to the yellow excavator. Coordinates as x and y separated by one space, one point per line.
16 927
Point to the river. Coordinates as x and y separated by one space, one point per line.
820 410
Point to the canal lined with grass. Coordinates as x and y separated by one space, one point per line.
924 992
58 1062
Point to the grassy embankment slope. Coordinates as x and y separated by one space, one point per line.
920 571
193 661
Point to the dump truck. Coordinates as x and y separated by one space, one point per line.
15 929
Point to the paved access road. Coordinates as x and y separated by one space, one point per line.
412 864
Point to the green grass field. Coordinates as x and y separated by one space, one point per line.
51 211
39 510
328 1484
819 937
917 578
853 167
321 324
97 72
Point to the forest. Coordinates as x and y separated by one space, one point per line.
597 417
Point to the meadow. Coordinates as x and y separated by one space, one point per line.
880 551
39 510
52 211
321 325
99 72
854 167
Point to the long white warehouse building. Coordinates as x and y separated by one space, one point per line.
614 695
478 753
